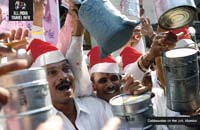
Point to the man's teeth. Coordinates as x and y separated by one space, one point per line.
111 91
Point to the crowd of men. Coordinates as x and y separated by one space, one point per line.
80 93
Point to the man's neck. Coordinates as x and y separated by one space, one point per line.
69 110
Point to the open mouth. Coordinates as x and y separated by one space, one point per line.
64 86
112 90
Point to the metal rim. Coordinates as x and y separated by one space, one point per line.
177 17
28 113
138 99
28 84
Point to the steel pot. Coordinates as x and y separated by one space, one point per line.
182 73
174 14
30 102
133 110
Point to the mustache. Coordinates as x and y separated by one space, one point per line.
64 84
113 88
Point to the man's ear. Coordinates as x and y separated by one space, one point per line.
93 84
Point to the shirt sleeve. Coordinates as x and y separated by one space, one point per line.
76 40
133 69
38 32
83 85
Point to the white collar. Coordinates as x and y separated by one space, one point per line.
80 107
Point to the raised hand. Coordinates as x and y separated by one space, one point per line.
146 27
132 86
162 42
15 38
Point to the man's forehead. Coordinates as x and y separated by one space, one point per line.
104 74
61 63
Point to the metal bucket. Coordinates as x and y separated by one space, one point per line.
131 8
30 102
182 79
106 24
133 111
174 14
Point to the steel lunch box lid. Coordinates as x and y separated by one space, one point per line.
179 57
177 17
125 103
180 52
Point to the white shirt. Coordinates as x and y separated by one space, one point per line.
159 103
92 114
38 32
83 85
133 69
140 46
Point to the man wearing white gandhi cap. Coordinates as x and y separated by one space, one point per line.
77 113
107 78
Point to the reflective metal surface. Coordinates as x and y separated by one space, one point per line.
27 120
133 110
30 102
182 79
174 14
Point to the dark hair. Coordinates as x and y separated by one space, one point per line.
92 77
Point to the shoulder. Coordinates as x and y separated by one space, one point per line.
98 106
95 103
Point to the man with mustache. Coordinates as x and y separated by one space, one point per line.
107 79
86 113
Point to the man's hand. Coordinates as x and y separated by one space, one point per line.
162 42
39 12
78 28
132 86
17 38
39 7
147 28
6 51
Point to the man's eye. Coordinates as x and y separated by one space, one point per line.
66 69
114 78
52 72
102 80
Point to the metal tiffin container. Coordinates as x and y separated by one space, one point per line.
30 101
174 14
181 74
133 110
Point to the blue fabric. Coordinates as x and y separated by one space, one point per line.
106 24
